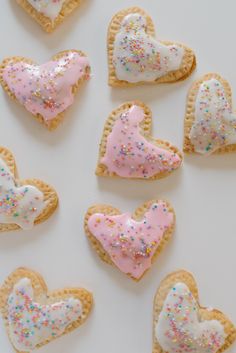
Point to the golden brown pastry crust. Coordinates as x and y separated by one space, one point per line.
47 24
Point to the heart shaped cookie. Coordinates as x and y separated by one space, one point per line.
210 123
135 56
49 13
23 203
47 90
128 150
131 243
33 317
181 325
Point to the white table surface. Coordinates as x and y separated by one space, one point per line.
202 191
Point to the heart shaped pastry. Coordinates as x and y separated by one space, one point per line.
47 90
23 203
135 56
128 150
33 317
210 123
181 325
49 13
131 243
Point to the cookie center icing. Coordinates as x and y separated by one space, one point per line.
215 123
46 89
179 328
130 155
31 323
49 8
131 244
19 205
140 57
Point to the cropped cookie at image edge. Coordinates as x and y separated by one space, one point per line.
128 150
23 203
210 123
33 316
49 13
130 242
181 324
136 57
46 90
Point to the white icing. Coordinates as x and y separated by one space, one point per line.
179 328
50 8
138 56
215 123
19 205
31 323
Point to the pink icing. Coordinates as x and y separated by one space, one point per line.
130 155
46 89
131 244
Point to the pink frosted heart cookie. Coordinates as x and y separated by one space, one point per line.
131 243
46 90
182 325
128 150
49 13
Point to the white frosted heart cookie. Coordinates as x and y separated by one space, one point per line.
128 150
46 90
181 325
23 203
34 317
130 242
49 13
135 55
210 122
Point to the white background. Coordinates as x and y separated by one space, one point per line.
202 191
